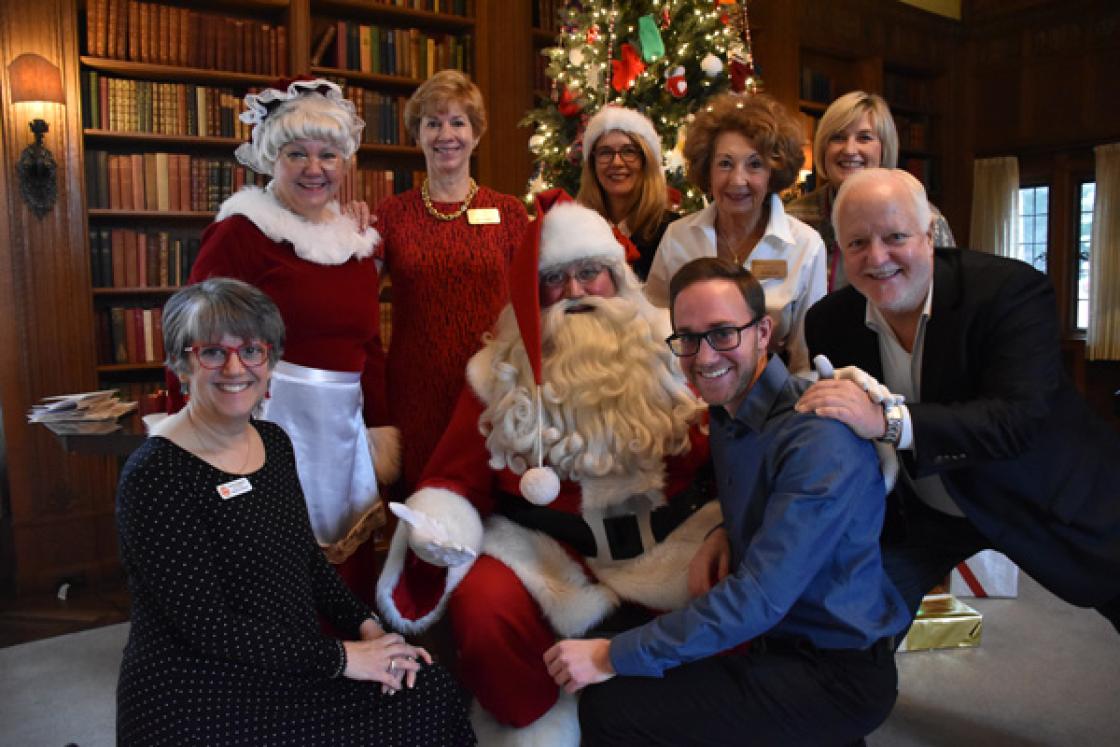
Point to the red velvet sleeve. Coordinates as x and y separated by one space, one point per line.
461 462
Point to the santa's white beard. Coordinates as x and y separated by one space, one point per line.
613 399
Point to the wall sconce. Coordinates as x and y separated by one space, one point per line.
35 79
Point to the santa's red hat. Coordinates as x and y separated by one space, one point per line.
563 232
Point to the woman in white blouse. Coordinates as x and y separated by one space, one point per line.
742 151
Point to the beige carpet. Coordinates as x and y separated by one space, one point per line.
1046 674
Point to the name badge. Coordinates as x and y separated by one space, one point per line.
484 216
769 269
234 488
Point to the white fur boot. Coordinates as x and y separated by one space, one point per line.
558 727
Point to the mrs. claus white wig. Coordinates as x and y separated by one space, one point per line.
307 109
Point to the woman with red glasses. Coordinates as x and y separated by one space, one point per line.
228 581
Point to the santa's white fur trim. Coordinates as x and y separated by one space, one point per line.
627 120
329 243
571 232
557 727
391 576
464 527
385 451
571 603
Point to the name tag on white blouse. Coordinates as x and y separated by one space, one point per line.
484 216
769 269
234 488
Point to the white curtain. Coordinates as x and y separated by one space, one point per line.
995 206
1104 259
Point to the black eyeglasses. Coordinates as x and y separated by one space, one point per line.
213 356
684 344
628 153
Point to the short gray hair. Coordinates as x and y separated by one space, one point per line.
215 307
903 178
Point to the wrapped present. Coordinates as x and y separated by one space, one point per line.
986 574
943 621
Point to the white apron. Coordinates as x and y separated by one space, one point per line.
321 411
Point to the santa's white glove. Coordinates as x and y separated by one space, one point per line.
878 393
428 538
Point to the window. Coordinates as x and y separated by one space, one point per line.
1034 213
1088 193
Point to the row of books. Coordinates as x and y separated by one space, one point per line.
374 185
128 258
169 35
911 133
130 334
450 7
906 91
817 86
408 53
163 181
125 105
383 114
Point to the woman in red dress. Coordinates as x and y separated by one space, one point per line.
317 264
447 247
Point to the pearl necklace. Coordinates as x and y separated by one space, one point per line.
447 216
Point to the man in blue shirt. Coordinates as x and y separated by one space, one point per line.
802 501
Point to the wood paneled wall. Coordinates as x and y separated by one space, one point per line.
61 506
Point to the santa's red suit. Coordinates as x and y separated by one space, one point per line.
548 571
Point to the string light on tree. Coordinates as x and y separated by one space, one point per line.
661 57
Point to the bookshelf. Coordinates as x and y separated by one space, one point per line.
162 83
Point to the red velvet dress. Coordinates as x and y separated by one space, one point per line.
332 320
449 284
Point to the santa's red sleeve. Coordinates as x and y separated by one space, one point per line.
456 489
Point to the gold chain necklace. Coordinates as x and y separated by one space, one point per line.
728 249
447 216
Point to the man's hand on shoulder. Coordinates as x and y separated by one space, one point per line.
847 402
575 664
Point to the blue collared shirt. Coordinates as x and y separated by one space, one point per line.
803 503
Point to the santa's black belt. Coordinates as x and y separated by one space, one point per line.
623 532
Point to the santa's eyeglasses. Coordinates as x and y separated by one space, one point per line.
720 339
582 272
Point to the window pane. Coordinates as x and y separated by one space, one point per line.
1088 194
1033 208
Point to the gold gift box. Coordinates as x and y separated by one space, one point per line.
943 621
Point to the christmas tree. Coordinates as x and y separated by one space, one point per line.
663 58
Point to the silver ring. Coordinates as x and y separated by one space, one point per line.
392 665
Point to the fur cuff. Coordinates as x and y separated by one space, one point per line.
385 451
391 579
331 243
558 727
371 521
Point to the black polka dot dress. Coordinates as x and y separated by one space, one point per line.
225 646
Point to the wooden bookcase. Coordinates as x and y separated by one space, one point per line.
152 72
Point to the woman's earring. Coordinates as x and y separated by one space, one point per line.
184 387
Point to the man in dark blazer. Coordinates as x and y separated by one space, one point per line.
997 448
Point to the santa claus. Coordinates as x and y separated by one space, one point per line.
565 486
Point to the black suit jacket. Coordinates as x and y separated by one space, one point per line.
998 419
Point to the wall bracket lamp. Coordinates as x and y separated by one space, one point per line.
35 79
